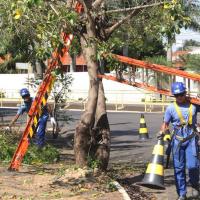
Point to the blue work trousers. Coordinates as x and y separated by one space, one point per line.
185 156
40 132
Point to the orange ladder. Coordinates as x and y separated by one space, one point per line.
167 71
35 110
40 100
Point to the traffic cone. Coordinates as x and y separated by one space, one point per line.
154 176
143 131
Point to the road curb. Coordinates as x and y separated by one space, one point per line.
109 111
118 111
121 190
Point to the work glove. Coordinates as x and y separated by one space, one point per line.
8 129
53 121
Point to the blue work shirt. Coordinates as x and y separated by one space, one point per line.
171 115
26 107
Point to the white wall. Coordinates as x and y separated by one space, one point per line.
115 92
12 83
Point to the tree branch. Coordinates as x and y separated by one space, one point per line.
135 11
97 3
133 8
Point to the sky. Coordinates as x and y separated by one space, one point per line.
185 35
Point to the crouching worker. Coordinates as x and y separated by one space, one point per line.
39 138
183 116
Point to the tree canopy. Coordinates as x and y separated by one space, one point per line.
192 62
100 28
30 29
188 44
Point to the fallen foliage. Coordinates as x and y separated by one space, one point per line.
34 155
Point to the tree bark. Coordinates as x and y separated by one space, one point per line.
101 131
73 63
82 139
92 135
39 69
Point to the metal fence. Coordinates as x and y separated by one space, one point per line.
121 100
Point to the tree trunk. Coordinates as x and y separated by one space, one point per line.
39 70
82 139
101 132
73 63
92 135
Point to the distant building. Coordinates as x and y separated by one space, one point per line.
68 66
194 50
23 68
66 61
177 59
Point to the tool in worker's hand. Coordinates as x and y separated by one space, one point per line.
168 152
161 135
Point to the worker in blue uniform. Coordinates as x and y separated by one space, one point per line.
183 116
42 122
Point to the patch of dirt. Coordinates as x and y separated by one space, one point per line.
52 182
29 184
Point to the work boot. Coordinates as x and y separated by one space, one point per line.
182 197
195 192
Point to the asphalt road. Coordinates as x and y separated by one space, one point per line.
125 143
126 146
